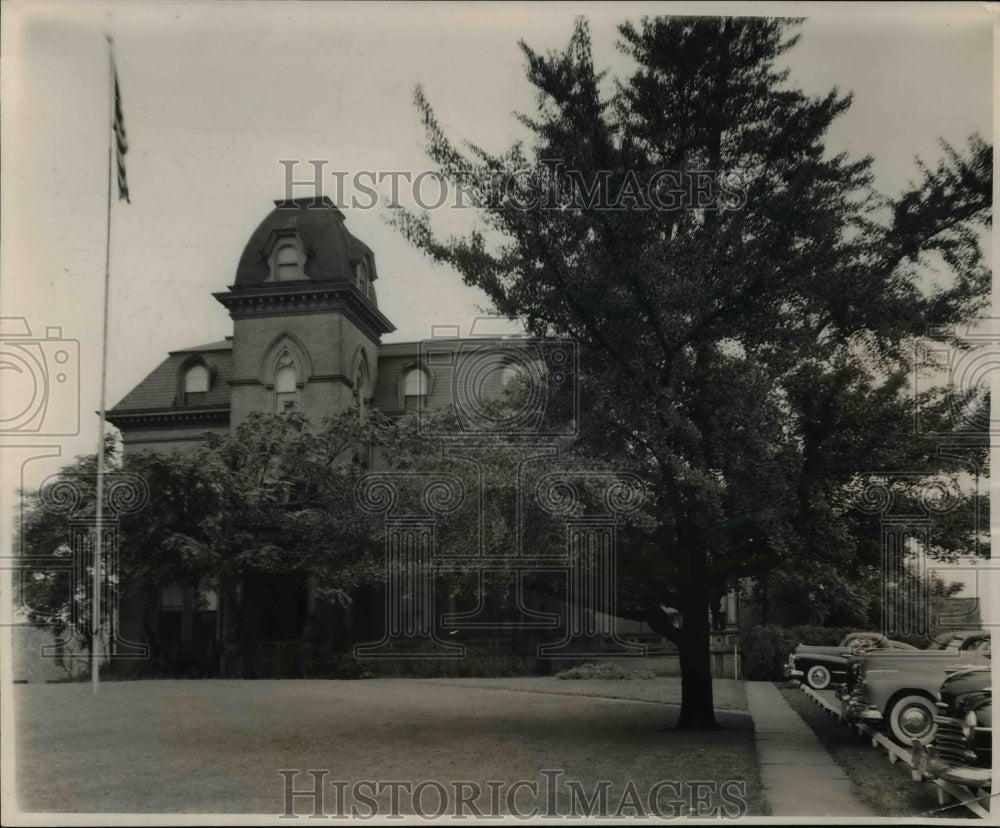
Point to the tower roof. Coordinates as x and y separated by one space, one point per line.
332 253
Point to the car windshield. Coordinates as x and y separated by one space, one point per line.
856 638
870 641
955 641
945 641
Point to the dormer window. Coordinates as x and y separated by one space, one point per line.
287 263
286 257
286 384
363 280
196 385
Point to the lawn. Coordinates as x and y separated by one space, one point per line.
218 747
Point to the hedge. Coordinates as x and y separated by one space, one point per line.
766 648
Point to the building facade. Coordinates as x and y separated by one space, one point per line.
307 333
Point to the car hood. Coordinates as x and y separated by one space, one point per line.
967 688
810 649
917 659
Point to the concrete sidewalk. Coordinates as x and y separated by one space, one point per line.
799 777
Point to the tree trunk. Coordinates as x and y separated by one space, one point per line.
697 703
763 603
691 634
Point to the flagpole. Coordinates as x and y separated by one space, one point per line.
95 678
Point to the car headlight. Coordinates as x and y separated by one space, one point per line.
969 722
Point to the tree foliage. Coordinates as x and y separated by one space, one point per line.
280 496
745 348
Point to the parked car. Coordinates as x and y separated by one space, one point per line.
898 688
962 748
819 667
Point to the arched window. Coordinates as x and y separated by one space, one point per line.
415 387
286 384
196 385
287 263
359 391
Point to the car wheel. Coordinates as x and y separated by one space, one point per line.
912 718
818 677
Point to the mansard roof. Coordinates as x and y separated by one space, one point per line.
332 253
159 390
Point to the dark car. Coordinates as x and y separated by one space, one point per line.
819 667
962 749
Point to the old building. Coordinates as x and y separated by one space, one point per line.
306 332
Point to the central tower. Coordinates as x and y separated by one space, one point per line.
306 323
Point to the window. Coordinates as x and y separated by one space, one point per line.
415 384
359 392
363 280
196 385
414 388
287 264
286 388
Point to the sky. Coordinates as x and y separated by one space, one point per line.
216 94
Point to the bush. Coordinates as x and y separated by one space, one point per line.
349 667
915 640
481 661
329 663
766 648
820 636
603 670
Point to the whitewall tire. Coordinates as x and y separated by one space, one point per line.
912 718
818 677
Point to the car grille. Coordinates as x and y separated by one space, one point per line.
950 742
855 704
857 696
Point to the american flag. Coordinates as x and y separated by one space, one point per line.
121 143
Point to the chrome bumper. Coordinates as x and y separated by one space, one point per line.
855 708
927 764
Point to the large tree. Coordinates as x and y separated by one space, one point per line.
743 298
51 594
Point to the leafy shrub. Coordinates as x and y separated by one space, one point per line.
480 661
349 667
329 663
766 648
820 636
914 639
603 670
